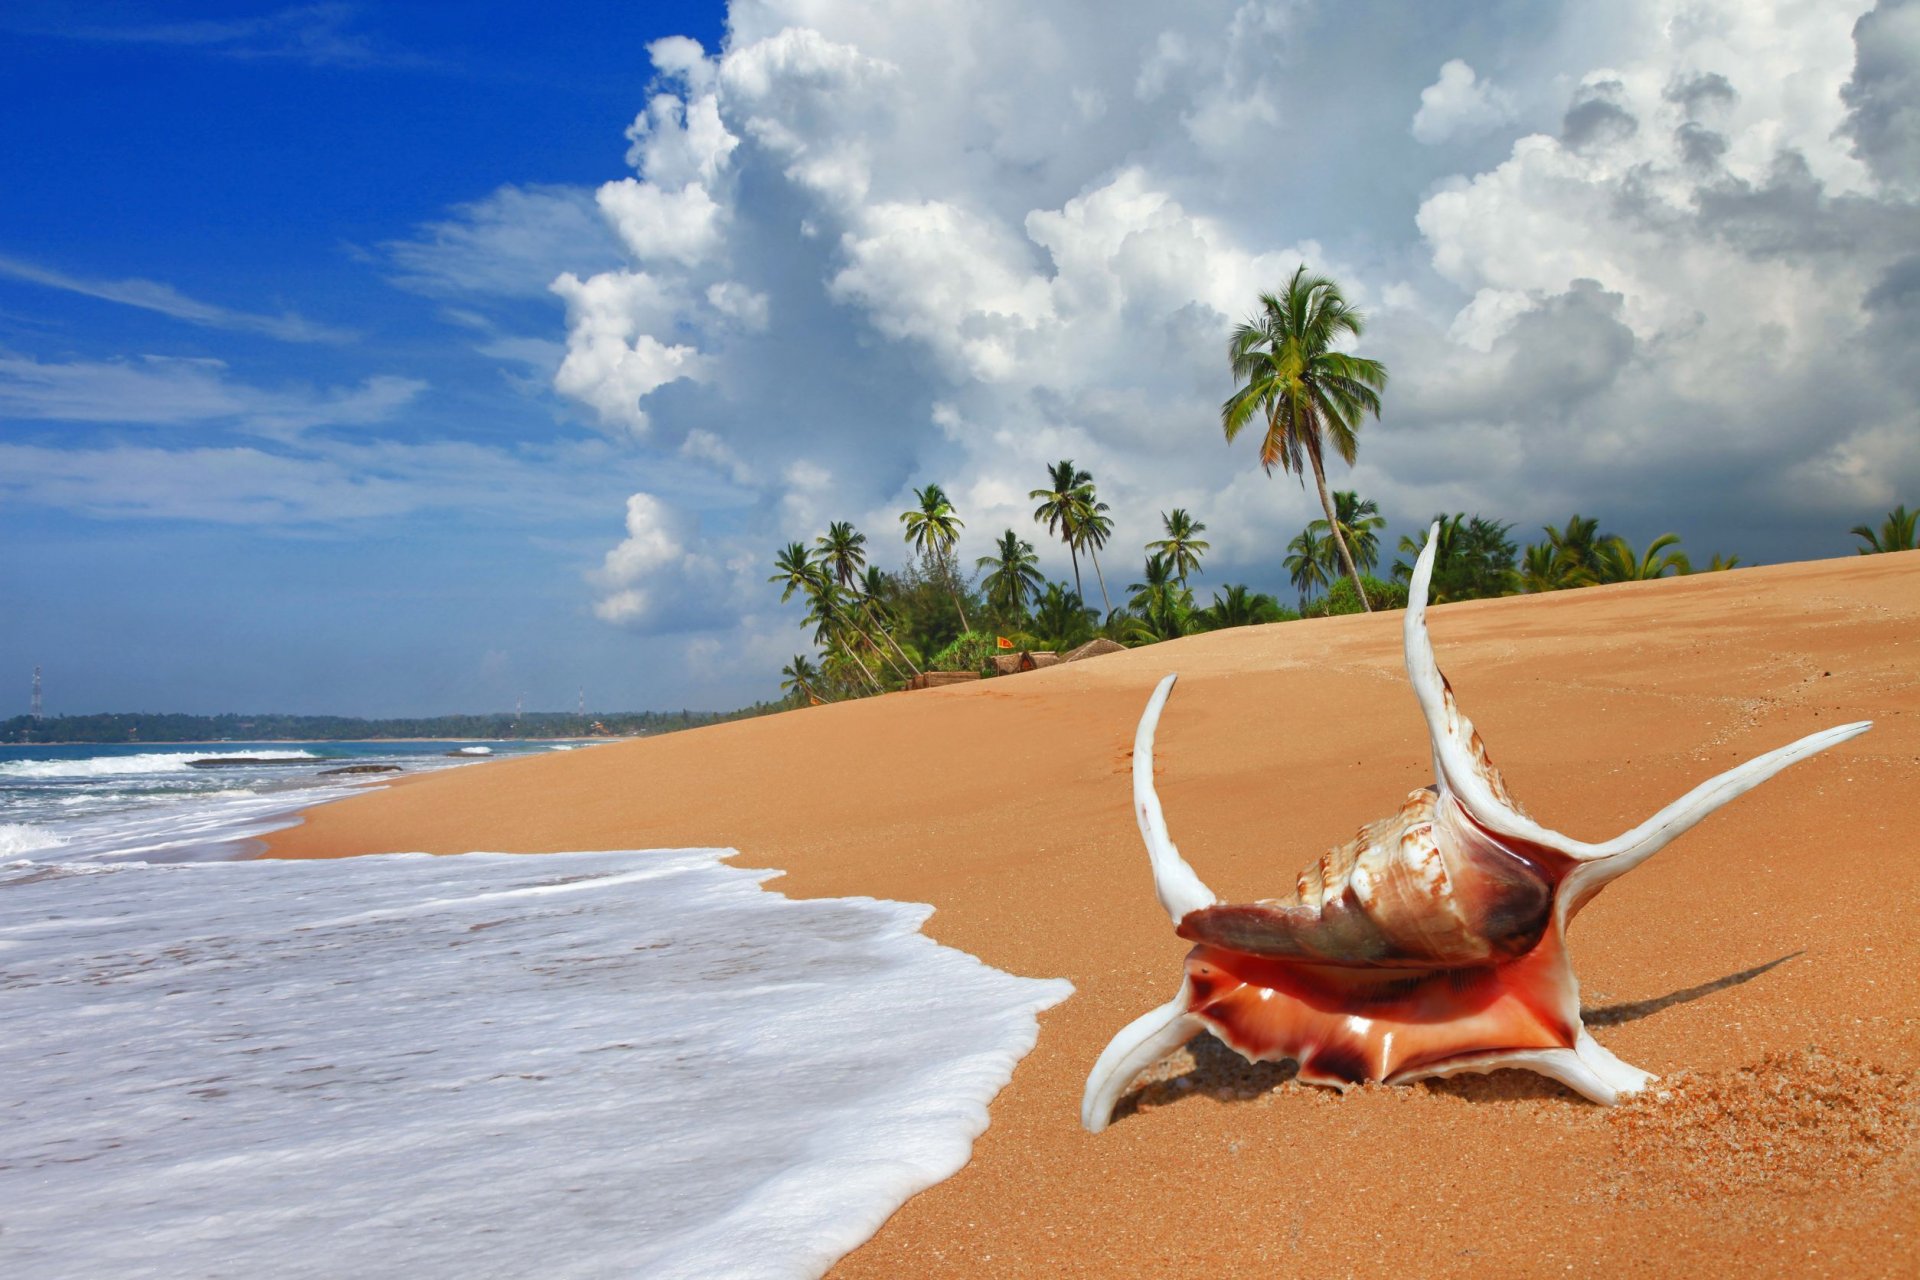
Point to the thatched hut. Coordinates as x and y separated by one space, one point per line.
1007 664
1094 648
935 679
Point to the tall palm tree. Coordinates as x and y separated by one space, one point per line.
1896 533
1359 523
1309 395
1015 577
843 555
1059 508
1182 548
801 676
1093 527
796 570
933 528
1620 563
1306 563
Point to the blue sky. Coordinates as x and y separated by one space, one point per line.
353 359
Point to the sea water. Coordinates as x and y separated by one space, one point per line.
582 1064
154 804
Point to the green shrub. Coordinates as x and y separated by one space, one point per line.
970 651
1341 597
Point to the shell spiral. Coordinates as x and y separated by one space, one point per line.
1426 888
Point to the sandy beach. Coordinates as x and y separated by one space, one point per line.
1766 965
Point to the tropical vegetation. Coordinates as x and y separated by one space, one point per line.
1896 532
877 629
1308 394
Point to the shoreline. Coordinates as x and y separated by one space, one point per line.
231 742
1006 806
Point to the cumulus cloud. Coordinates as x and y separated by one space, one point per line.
872 245
1460 105
658 579
1883 95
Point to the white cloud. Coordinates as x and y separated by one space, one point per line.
151 295
512 243
1460 105
611 362
657 579
682 226
876 245
164 391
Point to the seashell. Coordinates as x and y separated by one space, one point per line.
1432 943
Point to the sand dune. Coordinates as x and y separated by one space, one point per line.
1784 923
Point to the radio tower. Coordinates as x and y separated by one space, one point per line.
36 696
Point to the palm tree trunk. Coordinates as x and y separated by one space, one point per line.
874 622
1073 554
964 624
870 642
1103 579
1333 527
854 658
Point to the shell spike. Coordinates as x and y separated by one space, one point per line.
1174 882
1460 764
1141 1043
1623 853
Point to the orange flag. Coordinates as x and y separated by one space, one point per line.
1005 643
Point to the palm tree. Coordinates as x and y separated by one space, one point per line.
1181 547
1095 526
1545 568
1072 511
1306 563
1620 563
801 675
1015 578
1309 394
1059 508
1897 532
1473 559
1720 562
1578 544
1235 605
843 555
933 528
797 570
827 611
1061 619
1359 523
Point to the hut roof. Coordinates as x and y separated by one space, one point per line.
1007 664
1094 648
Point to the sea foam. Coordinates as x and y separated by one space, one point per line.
578 1064
128 766
20 837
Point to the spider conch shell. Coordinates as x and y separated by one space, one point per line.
1433 942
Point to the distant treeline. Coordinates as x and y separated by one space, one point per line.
167 727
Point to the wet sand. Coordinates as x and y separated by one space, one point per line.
1766 965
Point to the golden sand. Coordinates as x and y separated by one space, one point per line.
1786 920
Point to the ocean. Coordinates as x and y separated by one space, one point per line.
635 1063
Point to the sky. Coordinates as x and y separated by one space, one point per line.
396 359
